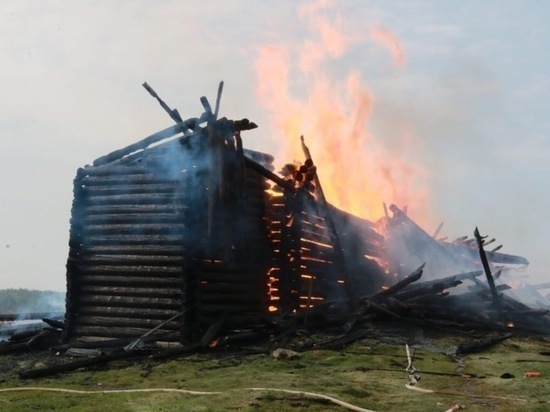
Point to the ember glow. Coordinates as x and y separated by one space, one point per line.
302 94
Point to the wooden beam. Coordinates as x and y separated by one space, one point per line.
485 263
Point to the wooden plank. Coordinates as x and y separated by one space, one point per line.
315 237
135 281
123 259
230 299
136 199
117 321
142 178
109 332
161 188
137 249
128 218
150 302
122 312
130 290
89 210
142 144
125 240
130 229
137 270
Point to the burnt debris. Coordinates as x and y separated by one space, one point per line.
186 239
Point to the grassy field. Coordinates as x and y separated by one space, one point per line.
369 374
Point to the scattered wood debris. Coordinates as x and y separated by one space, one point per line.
186 242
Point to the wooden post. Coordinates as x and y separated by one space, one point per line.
490 280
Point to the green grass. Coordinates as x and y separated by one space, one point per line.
369 374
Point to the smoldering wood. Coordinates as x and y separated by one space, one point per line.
129 179
140 342
430 290
192 123
108 343
54 323
13 348
132 257
171 112
151 250
129 291
413 277
321 239
133 199
160 188
131 239
127 312
120 331
39 340
135 270
130 260
208 301
223 287
438 284
130 301
90 210
129 322
485 263
133 218
481 344
18 334
218 100
133 229
268 174
7 317
82 363
316 254
136 281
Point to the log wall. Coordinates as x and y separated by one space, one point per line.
305 270
165 232
191 227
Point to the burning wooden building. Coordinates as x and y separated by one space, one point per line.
185 222
187 228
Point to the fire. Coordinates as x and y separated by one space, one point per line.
302 94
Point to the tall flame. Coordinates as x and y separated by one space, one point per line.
302 95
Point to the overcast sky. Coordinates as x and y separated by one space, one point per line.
470 95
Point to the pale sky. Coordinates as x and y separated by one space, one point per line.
472 96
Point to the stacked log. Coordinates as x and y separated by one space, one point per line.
305 271
284 275
126 264
233 282
178 227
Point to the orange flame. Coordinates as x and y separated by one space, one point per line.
357 172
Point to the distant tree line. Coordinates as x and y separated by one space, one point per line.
25 301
